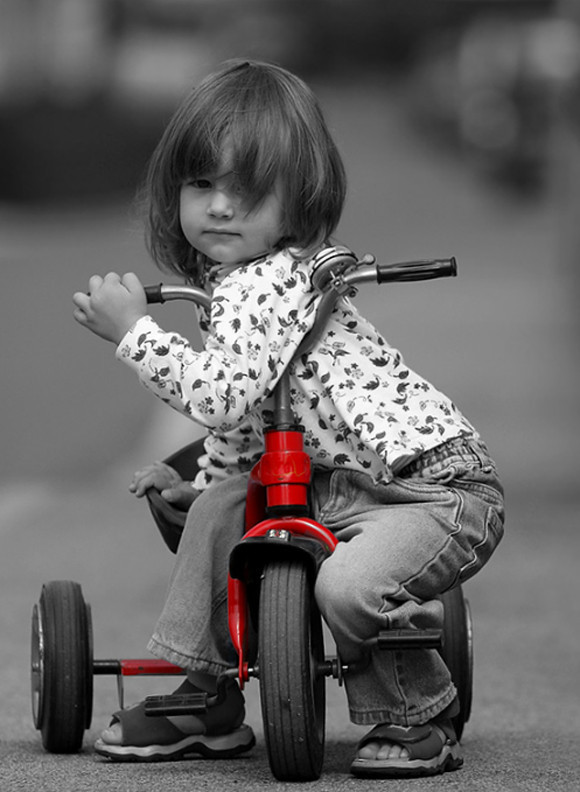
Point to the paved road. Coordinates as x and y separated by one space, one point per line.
500 339
523 734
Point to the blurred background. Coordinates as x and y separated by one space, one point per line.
459 123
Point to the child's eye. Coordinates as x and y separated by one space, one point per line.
201 184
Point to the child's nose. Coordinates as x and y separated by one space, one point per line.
221 204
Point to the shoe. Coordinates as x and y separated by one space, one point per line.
218 734
432 748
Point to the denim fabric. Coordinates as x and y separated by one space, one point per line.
192 631
401 544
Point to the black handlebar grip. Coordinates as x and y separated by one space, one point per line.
417 270
154 294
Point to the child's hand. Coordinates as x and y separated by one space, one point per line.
164 478
181 495
112 306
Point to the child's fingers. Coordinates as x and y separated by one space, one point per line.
139 486
144 481
180 496
164 475
158 475
95 282
81 300
82 311
80 316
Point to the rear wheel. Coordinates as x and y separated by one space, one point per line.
62 666
292 687
457 651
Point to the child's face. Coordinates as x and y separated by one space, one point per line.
216 222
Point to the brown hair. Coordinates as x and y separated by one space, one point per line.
274 125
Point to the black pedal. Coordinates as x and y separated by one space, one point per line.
186 704
410 639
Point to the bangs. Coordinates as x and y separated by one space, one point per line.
242 128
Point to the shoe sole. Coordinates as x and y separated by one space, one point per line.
449 759
209 747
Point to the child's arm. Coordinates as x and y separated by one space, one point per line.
112 305
260 313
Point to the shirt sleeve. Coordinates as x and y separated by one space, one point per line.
259 315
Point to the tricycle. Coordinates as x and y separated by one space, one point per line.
274 622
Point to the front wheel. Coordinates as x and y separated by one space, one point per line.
292 686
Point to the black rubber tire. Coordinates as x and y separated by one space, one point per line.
62 666
457 651
292 690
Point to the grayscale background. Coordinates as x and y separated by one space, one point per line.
459 123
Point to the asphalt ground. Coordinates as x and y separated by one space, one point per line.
501 339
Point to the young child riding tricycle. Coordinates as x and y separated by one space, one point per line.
245 190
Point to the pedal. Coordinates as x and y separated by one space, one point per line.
410 639
186 704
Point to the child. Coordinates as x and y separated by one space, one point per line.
244 187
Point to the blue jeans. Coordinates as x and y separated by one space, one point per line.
400 545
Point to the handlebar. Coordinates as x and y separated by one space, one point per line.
332 266
154 294
417 270
163 293
336 272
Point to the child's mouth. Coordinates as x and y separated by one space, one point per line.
222 232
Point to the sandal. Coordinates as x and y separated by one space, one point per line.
432 747
157 739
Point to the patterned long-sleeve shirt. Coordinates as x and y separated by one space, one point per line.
360 405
